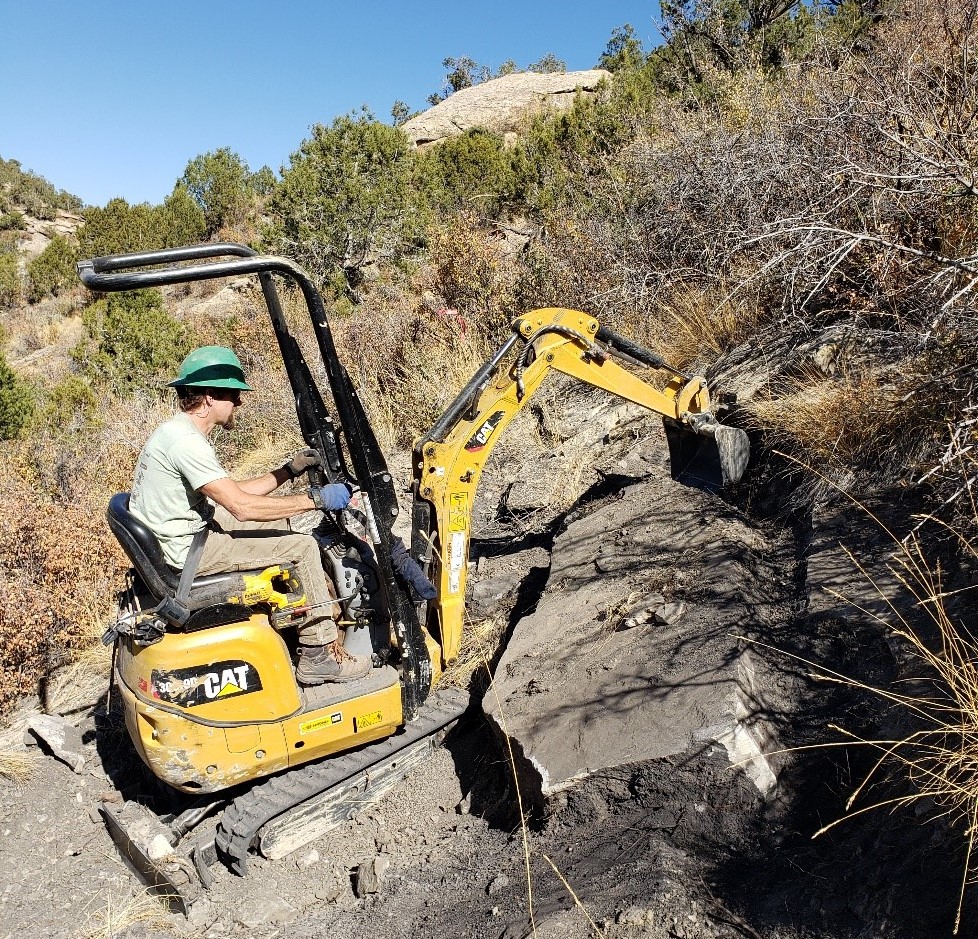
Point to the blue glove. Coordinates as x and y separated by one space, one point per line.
410 571
330 498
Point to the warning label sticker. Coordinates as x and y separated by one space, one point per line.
320 723
458 511
369 720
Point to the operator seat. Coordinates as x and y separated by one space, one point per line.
209 592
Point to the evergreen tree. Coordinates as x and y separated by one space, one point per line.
224 187
343 202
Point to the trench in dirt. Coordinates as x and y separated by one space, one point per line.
688 841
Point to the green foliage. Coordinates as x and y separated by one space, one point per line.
548 63
263 182
130 342
32 193
69 405
12 221
464 72
182 218
11 288
16 401
560 150
52 271
400 112
343 202
120 228
727 35
471 171
225 188
623 51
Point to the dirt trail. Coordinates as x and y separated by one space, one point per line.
670 843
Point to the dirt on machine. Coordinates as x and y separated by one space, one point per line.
205 668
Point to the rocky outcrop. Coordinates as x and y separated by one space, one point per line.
39 233
501 104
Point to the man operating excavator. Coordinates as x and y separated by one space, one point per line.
208 523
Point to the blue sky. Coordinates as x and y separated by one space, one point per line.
108 98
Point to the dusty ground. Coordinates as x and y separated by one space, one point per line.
679 845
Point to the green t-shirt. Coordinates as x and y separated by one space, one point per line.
175 463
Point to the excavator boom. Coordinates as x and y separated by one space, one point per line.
450 459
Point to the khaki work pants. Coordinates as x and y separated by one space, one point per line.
237 546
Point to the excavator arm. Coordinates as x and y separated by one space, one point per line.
450 459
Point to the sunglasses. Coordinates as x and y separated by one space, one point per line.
226 394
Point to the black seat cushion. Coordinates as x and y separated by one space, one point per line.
143 549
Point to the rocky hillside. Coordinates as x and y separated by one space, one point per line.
660 663
679 699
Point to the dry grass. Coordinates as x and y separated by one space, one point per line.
117 916
850 420
692 327
17 767
941 758
480 642
938 696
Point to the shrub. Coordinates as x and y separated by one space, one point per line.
16 401
32 193
11 288
224 188
131 342
342 204
61 569
52 271
11 221
69 405
471 172
182 219
118 229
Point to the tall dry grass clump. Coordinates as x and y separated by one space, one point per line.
936 695
843 423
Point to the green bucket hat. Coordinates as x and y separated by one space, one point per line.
211 367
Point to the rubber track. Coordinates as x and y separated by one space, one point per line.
244 817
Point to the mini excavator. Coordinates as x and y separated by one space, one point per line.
205 674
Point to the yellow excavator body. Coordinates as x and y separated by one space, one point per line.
207 710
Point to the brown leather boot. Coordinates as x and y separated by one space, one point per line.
330 663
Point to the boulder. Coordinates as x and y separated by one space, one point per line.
501 104
584 686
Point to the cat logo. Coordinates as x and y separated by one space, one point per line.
231 681
481 437
188 687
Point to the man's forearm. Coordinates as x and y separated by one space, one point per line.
263 485
251 507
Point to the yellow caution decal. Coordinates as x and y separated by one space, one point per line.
367 720
458 511
320 723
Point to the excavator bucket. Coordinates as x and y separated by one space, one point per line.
710 456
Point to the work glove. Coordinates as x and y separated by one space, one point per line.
410 571
301 461
330 498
